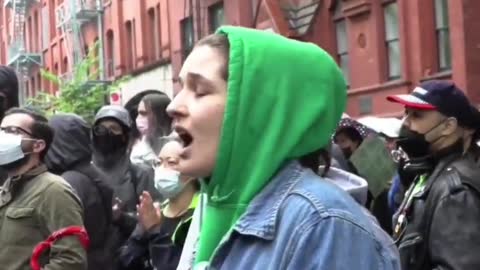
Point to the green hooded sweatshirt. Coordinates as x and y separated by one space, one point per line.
284 100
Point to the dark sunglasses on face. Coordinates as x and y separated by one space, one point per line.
103 131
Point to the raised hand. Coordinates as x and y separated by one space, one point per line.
149 215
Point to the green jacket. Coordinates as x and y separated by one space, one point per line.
42 203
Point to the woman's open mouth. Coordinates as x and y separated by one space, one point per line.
184 136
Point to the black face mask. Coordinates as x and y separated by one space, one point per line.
108 143
347 152
414 144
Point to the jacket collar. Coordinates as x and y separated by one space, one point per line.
34 172
260 218
440 167
13 185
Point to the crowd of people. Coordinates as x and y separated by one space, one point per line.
252 165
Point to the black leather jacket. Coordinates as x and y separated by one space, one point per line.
442 227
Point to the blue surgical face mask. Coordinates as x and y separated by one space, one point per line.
10 148
167 182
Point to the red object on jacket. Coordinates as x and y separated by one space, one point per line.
47 244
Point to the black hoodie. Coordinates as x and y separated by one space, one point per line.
70 156
8 89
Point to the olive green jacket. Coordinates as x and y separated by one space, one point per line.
41 204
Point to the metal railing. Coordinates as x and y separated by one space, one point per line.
84 10
300 17
17 54
9 3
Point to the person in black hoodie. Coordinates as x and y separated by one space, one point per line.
112 140
70 156
8 89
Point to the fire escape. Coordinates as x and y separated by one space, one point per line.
300 15
70 17
18 56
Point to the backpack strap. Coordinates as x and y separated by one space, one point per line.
132 170
93 176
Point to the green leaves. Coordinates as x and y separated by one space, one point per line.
80 92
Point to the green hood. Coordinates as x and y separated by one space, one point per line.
284 100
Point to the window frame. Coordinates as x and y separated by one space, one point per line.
389 41
338 19
129 31
154 47
187 49
212 16
110 52
445 28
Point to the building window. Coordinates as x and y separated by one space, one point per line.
443 35
35 34
46 84
65 65
2 52
51 19
26 93
32 87
392 40
110 64
86 49
342 41
56 71
39 82
187 36
216 17
29 44
130 48
7 15
45 28
159 32
154 26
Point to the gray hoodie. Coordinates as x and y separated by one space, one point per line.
353 184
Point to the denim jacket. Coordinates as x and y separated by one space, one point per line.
300 221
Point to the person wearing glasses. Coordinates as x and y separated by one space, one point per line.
34 203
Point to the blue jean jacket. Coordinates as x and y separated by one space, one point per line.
300 221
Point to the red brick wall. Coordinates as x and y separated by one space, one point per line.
368 62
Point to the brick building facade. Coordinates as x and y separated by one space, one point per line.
383 46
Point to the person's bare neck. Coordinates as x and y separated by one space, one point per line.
180 203
446 143
32 163
467 142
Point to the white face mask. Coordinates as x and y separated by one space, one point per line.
167 182
142 124
10 148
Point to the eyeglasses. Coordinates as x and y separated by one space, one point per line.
16 130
